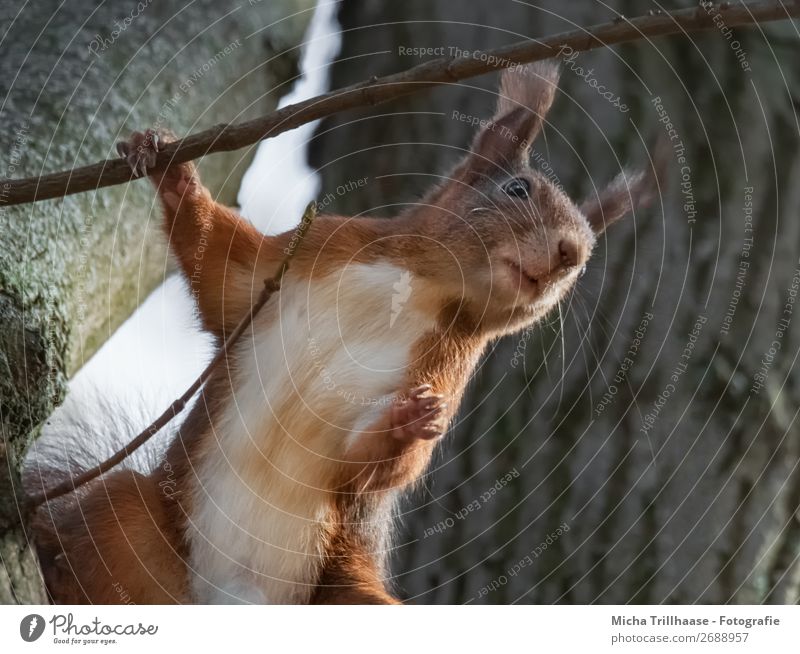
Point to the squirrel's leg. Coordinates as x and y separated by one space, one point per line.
114 545
351 576
223 257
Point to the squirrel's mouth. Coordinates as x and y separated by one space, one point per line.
524 281
528 289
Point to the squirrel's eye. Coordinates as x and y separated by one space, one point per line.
517 188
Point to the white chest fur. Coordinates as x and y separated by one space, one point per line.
321 357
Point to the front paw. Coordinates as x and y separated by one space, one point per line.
419 416
140 151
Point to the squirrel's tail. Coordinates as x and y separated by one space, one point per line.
79 435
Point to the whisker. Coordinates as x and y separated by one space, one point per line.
563 356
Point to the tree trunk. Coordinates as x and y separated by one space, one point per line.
630 452
72 270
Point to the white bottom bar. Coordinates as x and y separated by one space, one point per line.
386 630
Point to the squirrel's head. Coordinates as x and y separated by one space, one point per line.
516 241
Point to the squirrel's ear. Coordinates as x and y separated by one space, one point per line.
627 191
525 96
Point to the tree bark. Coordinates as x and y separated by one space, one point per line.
591 463
71 270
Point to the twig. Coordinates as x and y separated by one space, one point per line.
226 137
271 286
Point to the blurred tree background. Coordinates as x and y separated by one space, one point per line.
629 450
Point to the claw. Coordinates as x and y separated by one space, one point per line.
419 416
140 151
436 410
420 390
429 433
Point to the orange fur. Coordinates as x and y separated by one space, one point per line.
115 546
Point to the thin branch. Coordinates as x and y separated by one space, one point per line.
271 286
226 137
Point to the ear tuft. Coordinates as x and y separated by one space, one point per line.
628 191
525 95
532 86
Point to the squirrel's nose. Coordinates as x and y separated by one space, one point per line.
570 252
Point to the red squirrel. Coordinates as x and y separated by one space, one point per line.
280 484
